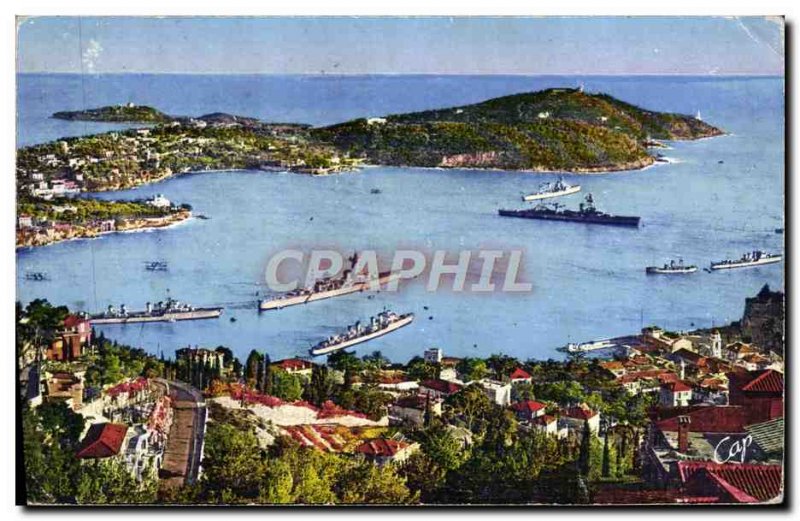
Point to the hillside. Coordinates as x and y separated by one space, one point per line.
555 129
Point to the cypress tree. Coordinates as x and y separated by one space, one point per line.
606 458
583 458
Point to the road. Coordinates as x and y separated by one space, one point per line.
183 453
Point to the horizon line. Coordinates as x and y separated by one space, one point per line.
354 74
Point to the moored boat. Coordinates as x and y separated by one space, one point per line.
328 288
166 311
748 260
548 190
586 213
381 324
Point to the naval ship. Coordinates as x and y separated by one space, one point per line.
381 324
556 189
587 213
328 288
748 260
165 311
673 268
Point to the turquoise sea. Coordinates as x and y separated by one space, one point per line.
718 198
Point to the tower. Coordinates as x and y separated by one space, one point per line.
716 345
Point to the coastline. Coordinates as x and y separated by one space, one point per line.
144 226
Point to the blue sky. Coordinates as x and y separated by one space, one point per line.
345 45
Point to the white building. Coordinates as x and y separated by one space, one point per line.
498 392
675 394
159 201
433 355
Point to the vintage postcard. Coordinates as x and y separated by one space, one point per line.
400 261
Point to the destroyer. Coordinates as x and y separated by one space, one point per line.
169 311
328 288
385 322
673 268
556 189
754 258
587 213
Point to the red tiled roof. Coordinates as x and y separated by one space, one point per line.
689 356
102 441
580 413
528 406
519 374
294 364
443 386
744 483
73 321
545 419
381 447
714 418
767 381
677 386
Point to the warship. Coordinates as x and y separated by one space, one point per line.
329 287
556 189
165 311
748 260
381 324
587 213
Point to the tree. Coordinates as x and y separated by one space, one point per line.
418 369
472 369
502 366
366 483
471 403
251 367
286 386
266 374
606 458
61 422
584 458
108 481
231 464
321 386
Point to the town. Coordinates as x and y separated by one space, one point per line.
51 176
670 417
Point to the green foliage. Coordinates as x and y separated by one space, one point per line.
579 131
237 471
108 481
286 386
471 369
418 369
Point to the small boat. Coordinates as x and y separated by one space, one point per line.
748 260
36 276
557 189
155 265
375 191
673 268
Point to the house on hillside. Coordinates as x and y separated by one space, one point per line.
382 451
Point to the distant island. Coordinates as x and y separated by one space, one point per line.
128 113
550 130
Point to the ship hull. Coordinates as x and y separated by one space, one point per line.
278 303
752 264
135 318
537 197
660 271
360 340
611 220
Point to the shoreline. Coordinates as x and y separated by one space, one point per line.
173 223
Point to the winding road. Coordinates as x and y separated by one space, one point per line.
184 451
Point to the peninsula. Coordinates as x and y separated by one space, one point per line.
550 130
